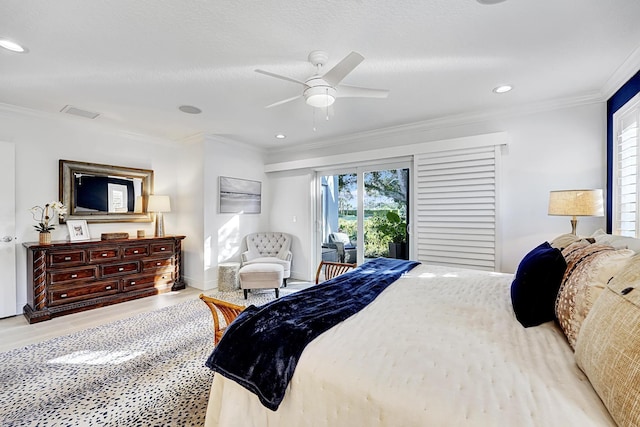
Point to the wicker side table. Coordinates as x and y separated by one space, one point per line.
228 276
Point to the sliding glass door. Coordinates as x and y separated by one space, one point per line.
363 213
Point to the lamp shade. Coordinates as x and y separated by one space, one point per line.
159 204
576 203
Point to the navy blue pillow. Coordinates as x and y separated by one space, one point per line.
536 284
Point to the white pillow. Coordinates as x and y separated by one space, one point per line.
618 242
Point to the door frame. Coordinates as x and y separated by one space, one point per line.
360 169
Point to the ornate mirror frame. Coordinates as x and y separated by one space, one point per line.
68 194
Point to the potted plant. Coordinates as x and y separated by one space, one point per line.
395 228
43 216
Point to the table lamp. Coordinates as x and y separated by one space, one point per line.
158 205
576 203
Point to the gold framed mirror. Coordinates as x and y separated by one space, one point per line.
104 193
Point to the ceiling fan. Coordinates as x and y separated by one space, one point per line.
321 91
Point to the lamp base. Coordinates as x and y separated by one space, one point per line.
160 224
574 225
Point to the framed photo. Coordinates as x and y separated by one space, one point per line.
78 230
240 196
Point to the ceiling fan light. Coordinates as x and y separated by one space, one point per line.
320 96
320 100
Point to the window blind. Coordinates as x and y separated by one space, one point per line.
625 200
455 207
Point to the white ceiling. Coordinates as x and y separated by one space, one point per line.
136 62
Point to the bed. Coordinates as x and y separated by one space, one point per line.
442 346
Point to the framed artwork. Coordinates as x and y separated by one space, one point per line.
240 196
78 230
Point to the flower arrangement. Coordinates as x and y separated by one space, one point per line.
42 215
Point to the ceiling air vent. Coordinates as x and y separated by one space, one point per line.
78 112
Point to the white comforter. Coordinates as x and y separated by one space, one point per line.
440 347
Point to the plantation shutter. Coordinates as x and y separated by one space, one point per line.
625 200
455 196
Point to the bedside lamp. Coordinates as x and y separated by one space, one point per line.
576 203
159 204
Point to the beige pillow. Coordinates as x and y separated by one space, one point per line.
564 240
608 346
589 268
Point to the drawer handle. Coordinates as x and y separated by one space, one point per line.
108 288
121 269
135 252
164 277
105 254
162 249
63 295
67 258
133 283
73 276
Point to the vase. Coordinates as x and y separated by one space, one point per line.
45 238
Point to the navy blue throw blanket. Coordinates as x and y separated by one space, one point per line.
261 348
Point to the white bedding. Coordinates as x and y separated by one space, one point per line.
439 347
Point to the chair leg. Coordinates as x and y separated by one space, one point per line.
284 281
277 293
245 293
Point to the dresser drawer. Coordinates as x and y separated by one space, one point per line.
81 273
104 254
158 264
66 294
136 251
148 281
163 247
119 269
66 258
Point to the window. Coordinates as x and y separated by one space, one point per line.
623 156
625 169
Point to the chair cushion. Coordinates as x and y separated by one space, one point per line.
261 275
339 237
268 244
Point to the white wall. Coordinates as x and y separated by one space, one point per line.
223 233
550 150
41 140
292 212
190 202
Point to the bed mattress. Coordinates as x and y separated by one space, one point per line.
440 346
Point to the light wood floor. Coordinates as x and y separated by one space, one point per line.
16 332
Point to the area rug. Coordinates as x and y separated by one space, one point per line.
147 370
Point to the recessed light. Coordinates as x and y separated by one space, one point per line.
281 136
189 109
490 1
502 89
12 46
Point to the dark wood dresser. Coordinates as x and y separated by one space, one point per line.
66 277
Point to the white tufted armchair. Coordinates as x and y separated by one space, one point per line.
269 248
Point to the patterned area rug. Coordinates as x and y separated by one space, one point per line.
147 370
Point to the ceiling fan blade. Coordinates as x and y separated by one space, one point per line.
345 91
278 76
284 101
342 68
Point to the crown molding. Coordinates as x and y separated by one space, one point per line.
622 74
417 128
211 137
6 110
